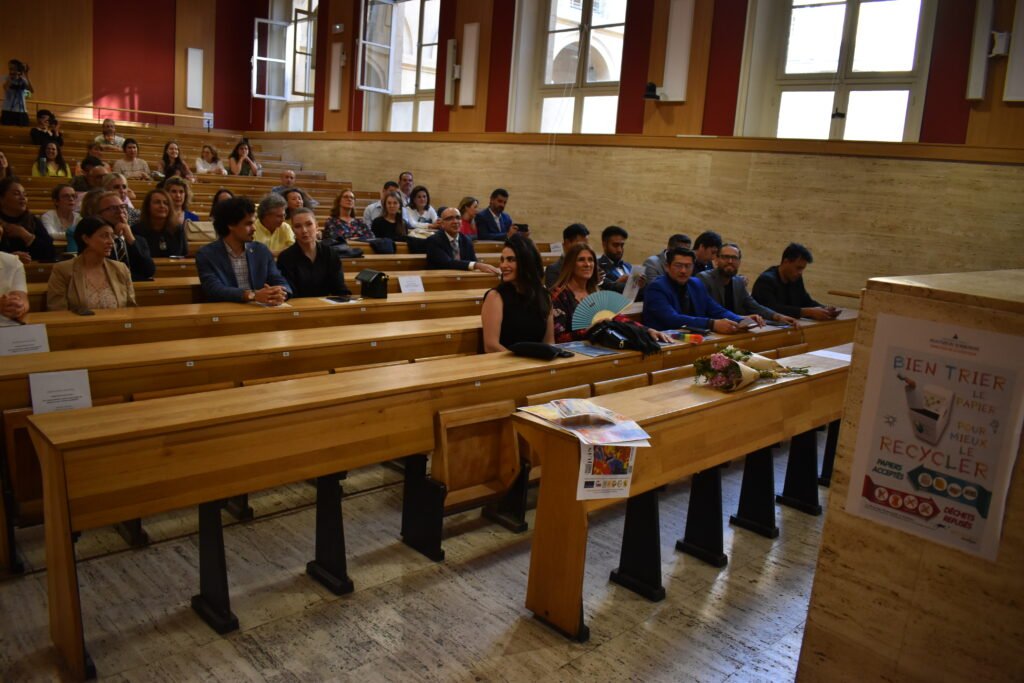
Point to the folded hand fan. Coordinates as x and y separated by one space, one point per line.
598 306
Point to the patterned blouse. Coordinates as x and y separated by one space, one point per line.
564 303
354 229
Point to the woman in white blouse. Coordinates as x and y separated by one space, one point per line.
209 162
61 220
420 213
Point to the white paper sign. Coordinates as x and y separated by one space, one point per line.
18 339
410 283
556 248
938 436
605 471
53 392
633 284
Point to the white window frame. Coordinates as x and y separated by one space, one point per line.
580 89
763 78
421 95
256 59
309 18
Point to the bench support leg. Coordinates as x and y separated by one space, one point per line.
132 532
800 490
329 568
510 510
640 560
9 562
756 510
239 508
213 603
703 536
422 509
831 443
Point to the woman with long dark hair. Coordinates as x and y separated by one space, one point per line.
51 162
242 161
171 163
519 309
161 225
391 224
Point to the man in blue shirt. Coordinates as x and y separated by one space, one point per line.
676 300
493 223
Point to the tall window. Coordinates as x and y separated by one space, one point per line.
578 89
846 70
284 72
399 64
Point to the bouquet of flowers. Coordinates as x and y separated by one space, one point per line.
731 369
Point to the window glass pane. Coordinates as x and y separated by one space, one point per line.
425 116
805 114
431 14
562 57
401 116
378 23
301 83
407 22
815 34
428 67
556 115
876 115
605 59
599 114
608 12
886 35
564 14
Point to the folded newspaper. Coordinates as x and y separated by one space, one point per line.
590 422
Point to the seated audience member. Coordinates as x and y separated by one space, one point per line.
51 162
160 226
293 201
109 136
405 185
577 280
288 183
115 182
61 220
729 288
24 235
375 209
781 287
13 289
676 300
241 161
705 249
615 268
654 266
271 228
171 164
209 163
93 279
494 223
571 236
420 213
343 225
391 223
449 249
180 192
467 210
5 168
309 265
93 170
127 249
131 166
236 268
519 309
47 129
221 194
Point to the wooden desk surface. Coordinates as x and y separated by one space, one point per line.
111 327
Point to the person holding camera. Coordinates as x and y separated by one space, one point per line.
47 129
16 89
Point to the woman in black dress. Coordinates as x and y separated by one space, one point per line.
519 309
391 224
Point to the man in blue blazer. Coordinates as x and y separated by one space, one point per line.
677 300
493 223
448 249
235 268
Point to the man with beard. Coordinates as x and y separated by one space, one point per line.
729 288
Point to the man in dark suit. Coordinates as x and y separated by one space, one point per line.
235 268
729 288
448 249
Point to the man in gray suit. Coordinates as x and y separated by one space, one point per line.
729 288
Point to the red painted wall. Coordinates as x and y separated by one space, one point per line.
946 111
233 105
133 64
727 31
502 21
636 53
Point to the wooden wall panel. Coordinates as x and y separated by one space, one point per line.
680 118
994 123
195 22
341 12
862 217
61 62
473 119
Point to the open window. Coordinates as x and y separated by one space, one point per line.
284 64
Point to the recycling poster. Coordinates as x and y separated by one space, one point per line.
939 432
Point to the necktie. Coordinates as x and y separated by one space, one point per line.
455 248
121 250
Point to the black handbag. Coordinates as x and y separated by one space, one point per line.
619 335
539 350
373 284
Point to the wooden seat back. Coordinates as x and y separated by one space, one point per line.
672 374
475 454
610 386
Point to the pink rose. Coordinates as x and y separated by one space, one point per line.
719 362
718 381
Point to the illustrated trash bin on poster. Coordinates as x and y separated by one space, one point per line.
939 432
